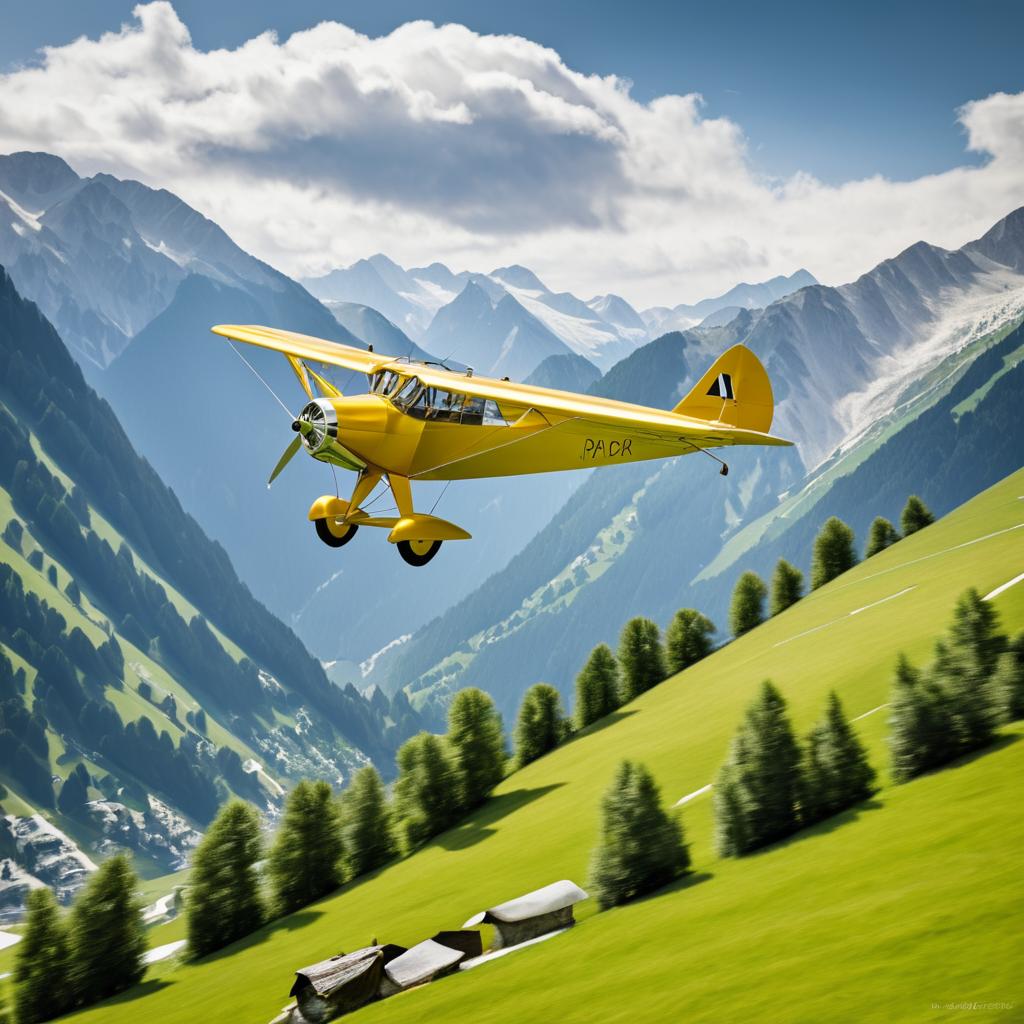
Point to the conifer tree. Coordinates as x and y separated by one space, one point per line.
42 965
920 723
687 639
881 535
597 687
837 774
477 743
975 629
1008 680
732 811
108 938
540 726
305 860
75 791
224 900
427 791
915 516
747 608
833 552
787 586
641 846
367 831
757 795
641 657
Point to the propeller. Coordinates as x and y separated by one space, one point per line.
301 427
289 452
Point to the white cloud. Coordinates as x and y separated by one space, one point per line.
438 143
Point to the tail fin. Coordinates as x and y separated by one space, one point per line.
735 391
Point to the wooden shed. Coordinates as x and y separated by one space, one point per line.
527 917
343 983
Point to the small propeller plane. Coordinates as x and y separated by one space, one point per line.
424 421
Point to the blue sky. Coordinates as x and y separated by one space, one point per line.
827 136
842 90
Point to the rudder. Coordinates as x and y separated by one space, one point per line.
735 391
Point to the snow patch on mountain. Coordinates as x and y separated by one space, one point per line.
960 322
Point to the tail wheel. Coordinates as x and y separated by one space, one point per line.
418 552
333 533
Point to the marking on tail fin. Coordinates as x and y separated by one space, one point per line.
722 386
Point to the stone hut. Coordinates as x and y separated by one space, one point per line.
528 917
343 983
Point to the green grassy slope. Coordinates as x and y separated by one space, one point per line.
904 902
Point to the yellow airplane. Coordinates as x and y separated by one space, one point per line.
422 421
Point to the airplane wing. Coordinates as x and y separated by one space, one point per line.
304 346
556 407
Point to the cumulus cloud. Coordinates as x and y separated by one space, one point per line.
439 143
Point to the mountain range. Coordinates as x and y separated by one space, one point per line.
863 374
717 311
508 320
842 359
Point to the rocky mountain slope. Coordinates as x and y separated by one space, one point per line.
103 257
140 682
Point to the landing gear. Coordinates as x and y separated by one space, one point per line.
333 533
418 552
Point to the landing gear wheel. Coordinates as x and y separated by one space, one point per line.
418 552
333 533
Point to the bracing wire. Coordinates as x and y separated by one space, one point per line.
439 497
261 380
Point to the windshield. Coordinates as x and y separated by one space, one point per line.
441 406
384 382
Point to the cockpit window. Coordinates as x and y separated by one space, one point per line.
406 393
384 382
441 406
445 406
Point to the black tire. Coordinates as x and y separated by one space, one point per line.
413 557
323 531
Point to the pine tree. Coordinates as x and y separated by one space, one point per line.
641 657
881 535
975 628
108 938
732 812
833 552
787 586
836 770
687 639
42 982
1008 680
368 835
641 846
540 726
427 791
920 724
224 901
747 608
597 687
75 791
477 742
305 860
915 516
757 795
